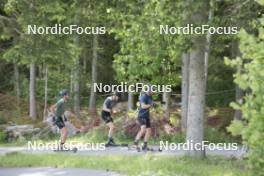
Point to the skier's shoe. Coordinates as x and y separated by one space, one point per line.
111 143
136 146
145 148
60 147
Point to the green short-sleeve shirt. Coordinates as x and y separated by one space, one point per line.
60 107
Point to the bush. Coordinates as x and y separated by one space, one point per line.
2 121
176 138
251 80
2 118
216 136
236 127
3 137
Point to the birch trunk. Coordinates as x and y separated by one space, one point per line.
45 94
76 75
32 98
207 49
76 88
92 102
185 90
71 83
166 106
196 99
130 101
17 84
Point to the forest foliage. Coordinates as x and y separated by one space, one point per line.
133 50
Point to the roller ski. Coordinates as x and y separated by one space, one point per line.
144 148
134 147
149 149
116 145
64 149
111 143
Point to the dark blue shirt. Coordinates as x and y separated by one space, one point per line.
109 103
147 100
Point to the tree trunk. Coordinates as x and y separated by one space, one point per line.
71 83
196 99
84 63
239 96
185 90
76 74
207 49
17 84
32 98
45 94
166 106
130 101
92 102
39 73
76 88
239 92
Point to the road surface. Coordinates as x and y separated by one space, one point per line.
49 171
240 152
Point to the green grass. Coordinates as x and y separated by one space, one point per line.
146 165
99 135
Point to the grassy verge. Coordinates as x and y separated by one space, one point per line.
132 165
100 136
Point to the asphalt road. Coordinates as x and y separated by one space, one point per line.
49 171
240 152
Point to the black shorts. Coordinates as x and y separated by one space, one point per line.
144 121
59 122
106 116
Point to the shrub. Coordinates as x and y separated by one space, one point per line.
251 80
3 137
